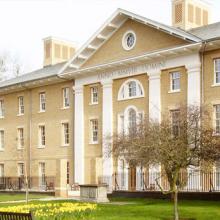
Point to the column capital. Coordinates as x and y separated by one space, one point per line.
193 67
78 89
154 74
107 83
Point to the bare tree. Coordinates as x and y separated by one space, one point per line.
10 66
182 139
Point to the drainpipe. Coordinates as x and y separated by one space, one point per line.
202 71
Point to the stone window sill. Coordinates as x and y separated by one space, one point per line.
41 147
20 115
94 143
174 91
65 145
216 85
64 108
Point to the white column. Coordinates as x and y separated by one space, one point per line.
194 87
154 96
79 135
107 130
154 111
138 178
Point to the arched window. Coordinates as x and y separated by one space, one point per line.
132 119
132 88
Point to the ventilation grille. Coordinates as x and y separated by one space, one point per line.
178 13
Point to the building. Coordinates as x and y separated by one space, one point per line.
53 121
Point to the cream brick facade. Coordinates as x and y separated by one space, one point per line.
104 63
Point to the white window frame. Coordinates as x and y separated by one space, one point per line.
94 131
67 172
121 123
216 119
65 136
20 138
2 108
2 170
2 139
21 169
42 174
21 105
41 136
42 97
216 72
66 97
94 95
172 89
124 40
124 93
172 112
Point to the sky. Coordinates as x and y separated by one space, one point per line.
24 23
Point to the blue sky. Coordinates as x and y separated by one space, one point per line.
24 23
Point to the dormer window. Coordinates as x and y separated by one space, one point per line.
131 89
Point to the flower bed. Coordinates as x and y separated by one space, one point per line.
58 210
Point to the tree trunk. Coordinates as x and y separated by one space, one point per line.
175 201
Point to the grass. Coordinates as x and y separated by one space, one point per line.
152 209
146 209
20 196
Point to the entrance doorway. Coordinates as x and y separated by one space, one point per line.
132 179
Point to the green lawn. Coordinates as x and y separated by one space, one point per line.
19 196
149 209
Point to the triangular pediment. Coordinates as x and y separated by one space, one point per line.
106 44
148 39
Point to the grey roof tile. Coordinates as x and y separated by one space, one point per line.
207 32
45 72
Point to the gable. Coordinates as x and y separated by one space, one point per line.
147 39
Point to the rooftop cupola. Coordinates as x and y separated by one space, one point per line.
57 50
188 14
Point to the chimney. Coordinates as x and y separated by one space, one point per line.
57 51
188 14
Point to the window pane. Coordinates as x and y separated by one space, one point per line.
20 138
175 80
132 89
21 105
217 116
217 65
1 108
66 133
175 117
67 173
1 171
132 117
42 135
94 130
217 70
66 98
1 139
42 101
94 95
217 77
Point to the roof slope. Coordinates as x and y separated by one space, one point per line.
207 32
45 72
